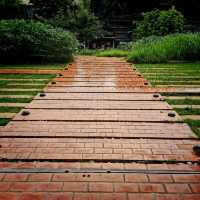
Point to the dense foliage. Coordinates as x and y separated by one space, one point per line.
50 8
160 23
164 49
27 40
10 2
72 15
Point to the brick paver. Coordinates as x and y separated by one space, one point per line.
100 132
98 129
96 104
98 115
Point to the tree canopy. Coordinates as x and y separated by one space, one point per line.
10 2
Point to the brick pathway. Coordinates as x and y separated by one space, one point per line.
99 133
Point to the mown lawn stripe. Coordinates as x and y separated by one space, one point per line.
195 125
183 101
31 93
27 76
9 109
31 66
15 100
4 121
188 111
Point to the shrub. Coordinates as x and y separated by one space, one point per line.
112 53
22 40
125 46
103 53
160 23
171 47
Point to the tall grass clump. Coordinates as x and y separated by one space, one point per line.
163 49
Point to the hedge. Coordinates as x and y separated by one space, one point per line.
22 40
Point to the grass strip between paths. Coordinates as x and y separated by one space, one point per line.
10 109
188 111
3 121
34 67
15 100
27 76
195 126
185 101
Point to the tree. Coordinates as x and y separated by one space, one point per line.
50 8
160 23
73 15
10 2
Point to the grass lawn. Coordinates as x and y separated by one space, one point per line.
26 76
186 101
32 66
195 125
104 53
188 111
31 93
9 109
15 100
3 122
171 74
176 74
18 82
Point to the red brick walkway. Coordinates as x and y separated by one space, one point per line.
99 133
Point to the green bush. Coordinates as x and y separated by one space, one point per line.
22 40
125 46
160 23
171 47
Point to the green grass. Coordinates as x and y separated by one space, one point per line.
15 100
3 121
10 109
174 79
195 126
113 53
104 53
188 111
185 94
171 73
175 83
3 82
177 73
170 47
33 93
31 66
27 76
89 52
185 101
23 86
26 81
